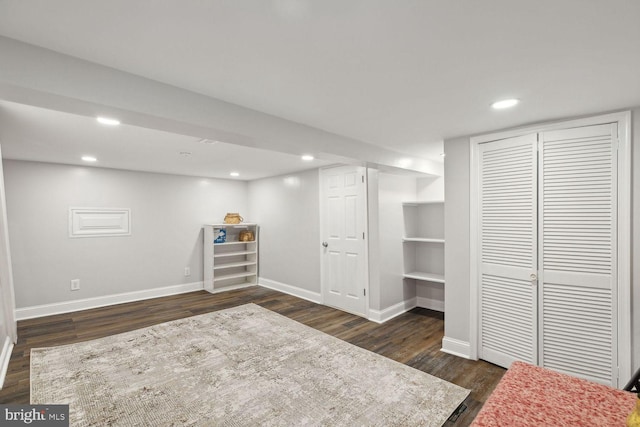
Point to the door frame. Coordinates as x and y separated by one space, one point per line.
365 206
7 294
623 119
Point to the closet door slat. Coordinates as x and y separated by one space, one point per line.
577 251
508 312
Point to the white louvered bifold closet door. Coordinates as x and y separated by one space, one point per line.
508 239
577 252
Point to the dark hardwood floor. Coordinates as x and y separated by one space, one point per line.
414 338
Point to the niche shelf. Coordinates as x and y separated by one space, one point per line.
424 241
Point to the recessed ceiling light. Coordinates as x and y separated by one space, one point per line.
234 174
108 121
307 157
505 103
208 141
89 159
404 163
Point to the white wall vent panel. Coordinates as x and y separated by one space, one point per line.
97 222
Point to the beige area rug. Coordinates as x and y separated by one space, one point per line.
245 366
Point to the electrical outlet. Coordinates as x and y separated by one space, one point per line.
75 285
187 271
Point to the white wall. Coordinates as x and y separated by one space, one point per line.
390 293
456 231
457 268
430 188
392 191
431 294
167 213
287 208
373 242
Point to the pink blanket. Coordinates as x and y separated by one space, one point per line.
530 395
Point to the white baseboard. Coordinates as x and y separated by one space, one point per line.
291 290
5 356
431 304
456 347
87 303
381 316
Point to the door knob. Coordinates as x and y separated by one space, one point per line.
325 244
533 277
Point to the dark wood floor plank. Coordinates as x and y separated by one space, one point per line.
413 338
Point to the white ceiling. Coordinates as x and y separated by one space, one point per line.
399 74
38 134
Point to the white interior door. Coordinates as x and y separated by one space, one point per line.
343 226
578 251
508 239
